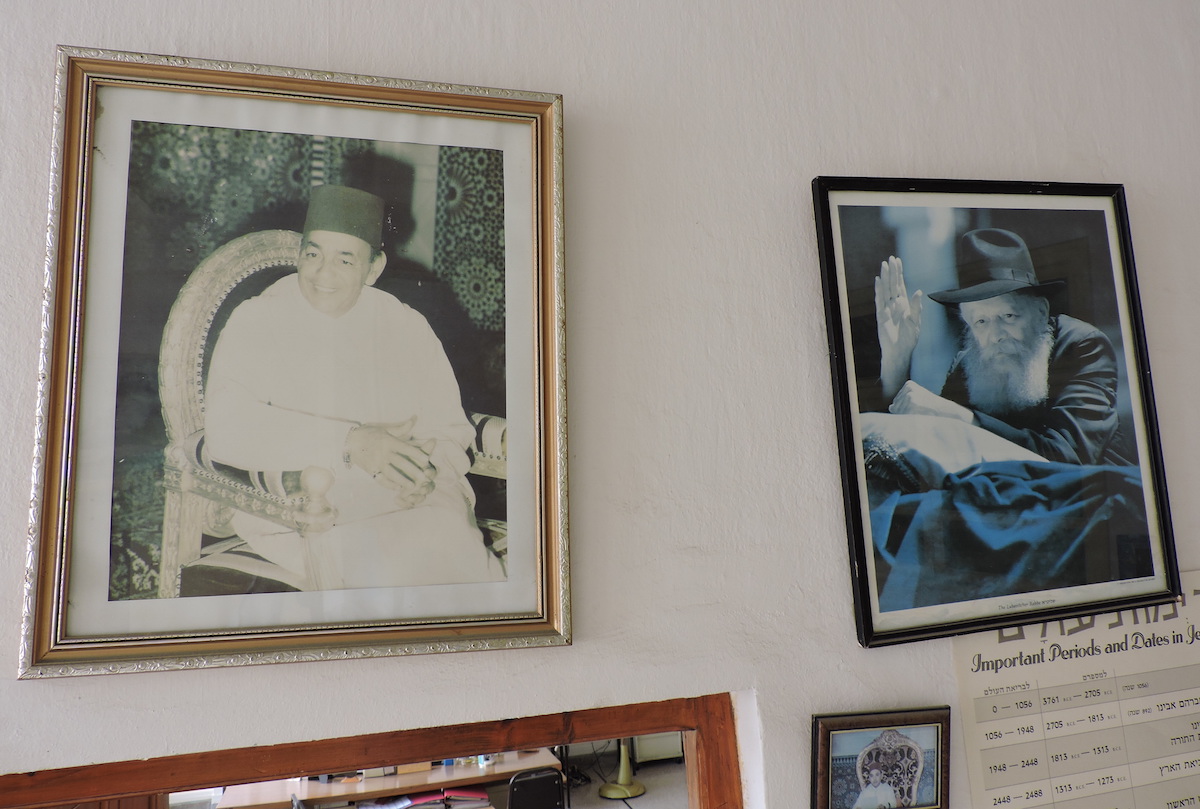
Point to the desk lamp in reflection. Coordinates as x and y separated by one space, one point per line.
624 786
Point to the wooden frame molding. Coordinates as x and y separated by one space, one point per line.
707 722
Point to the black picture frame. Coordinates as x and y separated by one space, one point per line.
946 531
912 748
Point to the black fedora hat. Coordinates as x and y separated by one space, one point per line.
993 262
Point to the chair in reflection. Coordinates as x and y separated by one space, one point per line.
539 788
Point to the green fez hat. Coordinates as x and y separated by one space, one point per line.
339 209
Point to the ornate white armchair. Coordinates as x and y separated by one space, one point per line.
201 496
899 758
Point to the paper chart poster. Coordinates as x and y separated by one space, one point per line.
1098 712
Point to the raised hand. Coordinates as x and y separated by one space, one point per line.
898 320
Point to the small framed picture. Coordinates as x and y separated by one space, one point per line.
303 374
1000 451
882 760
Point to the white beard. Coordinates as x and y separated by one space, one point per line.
1001 383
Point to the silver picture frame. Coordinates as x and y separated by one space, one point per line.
240 145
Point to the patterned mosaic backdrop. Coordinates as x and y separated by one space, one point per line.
192 189
469 231
229 180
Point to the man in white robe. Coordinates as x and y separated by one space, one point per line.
322 370
877 794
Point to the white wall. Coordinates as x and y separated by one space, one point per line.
706 522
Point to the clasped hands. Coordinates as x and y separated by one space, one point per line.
396 459
916 400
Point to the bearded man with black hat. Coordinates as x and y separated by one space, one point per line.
1046 383
322 370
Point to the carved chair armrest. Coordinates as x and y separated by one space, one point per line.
489 451
293 500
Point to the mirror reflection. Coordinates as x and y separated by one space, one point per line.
643 771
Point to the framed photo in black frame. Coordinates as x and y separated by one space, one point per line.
1000 452
882 760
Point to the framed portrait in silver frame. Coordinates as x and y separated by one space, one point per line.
1000 451
303 374
882 760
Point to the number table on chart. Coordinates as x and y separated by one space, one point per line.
1105 742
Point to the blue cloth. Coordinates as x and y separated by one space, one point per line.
1008 527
